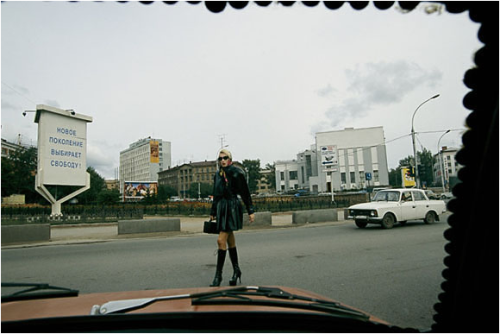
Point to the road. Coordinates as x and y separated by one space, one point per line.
393 274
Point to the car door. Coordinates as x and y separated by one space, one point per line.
421 203
408 207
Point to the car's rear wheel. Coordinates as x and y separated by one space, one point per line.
388 221
430 217
360 223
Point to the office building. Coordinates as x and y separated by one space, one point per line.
445 162
143 160
351 159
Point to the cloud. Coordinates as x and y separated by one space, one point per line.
387 83
98 157
374 84
326 91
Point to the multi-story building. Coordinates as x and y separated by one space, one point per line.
296 174
143 160
8 148
263 186
345 160
444 161
182 177
351 159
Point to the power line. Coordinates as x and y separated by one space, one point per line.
20 94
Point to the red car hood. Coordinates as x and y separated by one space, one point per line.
83 305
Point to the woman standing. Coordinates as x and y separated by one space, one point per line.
229 181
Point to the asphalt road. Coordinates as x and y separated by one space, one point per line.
393 274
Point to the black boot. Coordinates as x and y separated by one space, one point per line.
221 257
233 255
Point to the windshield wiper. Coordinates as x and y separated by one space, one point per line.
239 296
36 291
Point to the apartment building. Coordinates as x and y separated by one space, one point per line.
182 177
445 165
143 160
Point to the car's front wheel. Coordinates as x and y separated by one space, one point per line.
361 223
430 217
388 221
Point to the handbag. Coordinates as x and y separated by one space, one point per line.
210 227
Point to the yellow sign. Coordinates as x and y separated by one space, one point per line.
408 181
155 151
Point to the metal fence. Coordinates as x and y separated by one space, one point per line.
108 213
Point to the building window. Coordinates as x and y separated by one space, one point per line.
342 178
293 175
282 176
375 176
353 177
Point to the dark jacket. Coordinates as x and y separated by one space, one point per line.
226 205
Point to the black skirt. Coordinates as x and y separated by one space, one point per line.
229 214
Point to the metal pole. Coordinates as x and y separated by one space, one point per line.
415 157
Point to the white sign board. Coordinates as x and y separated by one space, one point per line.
329 156
62 146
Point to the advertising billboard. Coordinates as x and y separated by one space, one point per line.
329 155
137 190
62 146
408 180
154 147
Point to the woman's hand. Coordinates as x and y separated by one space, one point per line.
212 218
251 218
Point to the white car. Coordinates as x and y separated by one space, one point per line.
396 205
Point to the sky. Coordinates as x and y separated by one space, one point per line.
262 80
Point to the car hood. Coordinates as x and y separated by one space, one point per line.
374 205
85 304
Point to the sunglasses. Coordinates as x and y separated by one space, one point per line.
223 158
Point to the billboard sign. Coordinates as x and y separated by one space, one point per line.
329 155
408 180
154 147
137 190
62 146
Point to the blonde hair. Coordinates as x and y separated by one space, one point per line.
226 152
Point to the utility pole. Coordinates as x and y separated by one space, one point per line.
415 157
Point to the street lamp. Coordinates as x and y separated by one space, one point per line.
413 139
441 160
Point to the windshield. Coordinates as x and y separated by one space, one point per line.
309 101
391 196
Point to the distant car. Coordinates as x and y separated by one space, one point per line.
446 195
396 205
432 195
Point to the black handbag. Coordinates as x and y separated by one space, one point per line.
210 227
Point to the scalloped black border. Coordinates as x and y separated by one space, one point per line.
469 301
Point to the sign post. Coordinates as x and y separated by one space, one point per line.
329 162
62 153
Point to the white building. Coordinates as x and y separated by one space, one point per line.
144 159
296 174
445 161
351 159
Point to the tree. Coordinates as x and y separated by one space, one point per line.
395 179
165 192
271 177
426 162
97 185
109 196
18 174
205 190
252 168
426 174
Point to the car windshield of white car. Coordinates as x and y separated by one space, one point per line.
386 196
